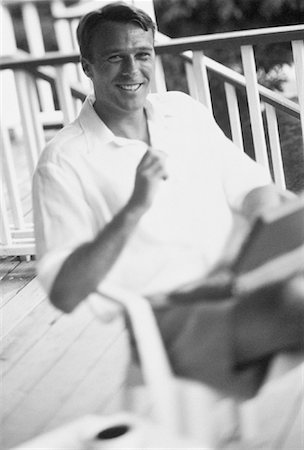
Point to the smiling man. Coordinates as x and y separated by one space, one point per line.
141 190
120 62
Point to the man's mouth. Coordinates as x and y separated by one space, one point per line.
130 87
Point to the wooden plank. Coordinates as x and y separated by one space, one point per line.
27 299
179 45
7 265
101 385
23 337
231 39
202 81
58 382
275 146
254 104
42 356
11 179
16 279
298 57
234 115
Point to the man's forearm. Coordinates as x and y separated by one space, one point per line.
89 264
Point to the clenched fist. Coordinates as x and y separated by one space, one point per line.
150 172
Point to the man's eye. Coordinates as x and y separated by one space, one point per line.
115 59
143 56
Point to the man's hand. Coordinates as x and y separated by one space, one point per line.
151 171
259 200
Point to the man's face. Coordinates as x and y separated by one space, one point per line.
121 68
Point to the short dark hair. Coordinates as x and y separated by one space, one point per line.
119 12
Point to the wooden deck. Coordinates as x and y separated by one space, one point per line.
55 367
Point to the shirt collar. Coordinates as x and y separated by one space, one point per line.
97 132
93 127
157 115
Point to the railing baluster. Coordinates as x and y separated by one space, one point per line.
191 80
10 176
64 94
81 77
146 5
275 147
61 26
5 233
159 80
34 37
26 119
32 27
254 105
65 44
200 72
234 115
298 56
35 114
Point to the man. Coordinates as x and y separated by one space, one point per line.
140 190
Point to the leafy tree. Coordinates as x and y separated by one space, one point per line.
179 18
192 17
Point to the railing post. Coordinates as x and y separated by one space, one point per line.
64 95
146 5
25 106
9 174
234 115
64 35
35 114
254 105
5 233
34 37
201 76
275 147
191 80
81 77
298 55
159 80
32 27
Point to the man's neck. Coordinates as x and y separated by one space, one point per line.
131 126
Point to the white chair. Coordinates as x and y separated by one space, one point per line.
272 419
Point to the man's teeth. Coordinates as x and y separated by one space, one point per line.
130 87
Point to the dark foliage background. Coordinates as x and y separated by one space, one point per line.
179 18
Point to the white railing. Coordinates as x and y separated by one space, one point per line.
35 101
199 82
67 93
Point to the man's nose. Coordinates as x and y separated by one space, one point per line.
129 65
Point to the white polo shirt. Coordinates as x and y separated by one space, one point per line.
86 175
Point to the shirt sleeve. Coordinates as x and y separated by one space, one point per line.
239 173
62 218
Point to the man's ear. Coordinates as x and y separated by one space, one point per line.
86 66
